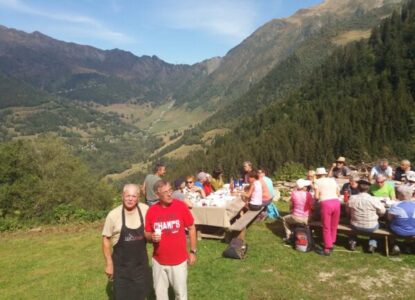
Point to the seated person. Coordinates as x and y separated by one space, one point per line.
364 211
382 189
254 194
192 192
400 172
262 173
382 169
266 195
410 180
301 205
178 193
339 169
352 186
401 216
203 182
247 167
217 179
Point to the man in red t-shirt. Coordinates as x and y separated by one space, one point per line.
165 225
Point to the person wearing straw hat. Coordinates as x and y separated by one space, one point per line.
339 169
301 204
327 194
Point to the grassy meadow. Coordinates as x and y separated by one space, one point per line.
66 263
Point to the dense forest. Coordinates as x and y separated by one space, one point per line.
42 181
359 103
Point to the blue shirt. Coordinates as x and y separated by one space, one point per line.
199 184
403 223
270 186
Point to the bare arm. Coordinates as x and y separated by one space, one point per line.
331 170
106 249
316 194
202 193
143 189
193 244
250 191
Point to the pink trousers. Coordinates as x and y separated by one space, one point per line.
330 215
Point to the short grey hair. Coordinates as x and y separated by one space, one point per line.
405 192
129 186
160 183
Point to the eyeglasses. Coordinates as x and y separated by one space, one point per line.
166 192
189 181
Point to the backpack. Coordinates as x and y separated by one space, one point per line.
303 240
272 211
237 249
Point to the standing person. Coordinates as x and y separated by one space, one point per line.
339 168
166 222
311 175
124 231
151 179
364 211
301 205
327 193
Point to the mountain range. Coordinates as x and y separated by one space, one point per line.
36 69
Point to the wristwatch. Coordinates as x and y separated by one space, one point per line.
193 251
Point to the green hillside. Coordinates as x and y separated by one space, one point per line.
358 104
66 263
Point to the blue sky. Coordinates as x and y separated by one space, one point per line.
177 31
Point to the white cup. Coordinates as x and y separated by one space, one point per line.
157 231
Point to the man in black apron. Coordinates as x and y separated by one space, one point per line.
128 265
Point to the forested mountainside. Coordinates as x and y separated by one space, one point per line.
90 74
359 104
309 35
290 73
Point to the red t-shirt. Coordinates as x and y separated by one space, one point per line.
207 187
172 220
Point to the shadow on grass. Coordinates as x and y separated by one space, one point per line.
276 228
342 241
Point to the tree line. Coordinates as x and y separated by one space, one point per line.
359 103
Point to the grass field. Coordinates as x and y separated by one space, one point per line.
66 263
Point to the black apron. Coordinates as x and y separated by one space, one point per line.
131 269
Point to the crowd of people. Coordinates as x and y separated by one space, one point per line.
166 220
384 197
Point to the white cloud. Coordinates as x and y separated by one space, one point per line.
233 19
79 23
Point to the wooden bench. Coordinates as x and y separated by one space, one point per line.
245 220
346 229
238 228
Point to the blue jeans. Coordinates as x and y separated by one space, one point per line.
372 241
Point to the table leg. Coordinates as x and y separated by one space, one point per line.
387 246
